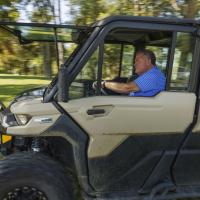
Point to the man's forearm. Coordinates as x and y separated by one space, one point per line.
123 88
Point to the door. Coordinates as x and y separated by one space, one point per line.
131 137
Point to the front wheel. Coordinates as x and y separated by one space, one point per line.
29 176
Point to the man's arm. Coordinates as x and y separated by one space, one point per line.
123 88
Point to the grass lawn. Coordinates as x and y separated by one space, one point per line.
11 85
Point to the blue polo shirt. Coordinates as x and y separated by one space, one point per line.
150 83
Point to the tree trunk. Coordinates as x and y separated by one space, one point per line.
189 12
61 53
191 9
25 68
47 61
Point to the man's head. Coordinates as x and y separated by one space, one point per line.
144 60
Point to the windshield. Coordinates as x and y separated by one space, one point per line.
69 37
52 87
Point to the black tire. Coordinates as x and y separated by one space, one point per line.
36 173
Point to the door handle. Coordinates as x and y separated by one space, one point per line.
95 111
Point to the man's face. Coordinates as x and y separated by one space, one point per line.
142 63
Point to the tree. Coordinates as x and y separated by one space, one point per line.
8 10
88 11
84 12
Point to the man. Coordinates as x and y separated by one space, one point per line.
150 81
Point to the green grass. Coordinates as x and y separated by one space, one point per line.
12 85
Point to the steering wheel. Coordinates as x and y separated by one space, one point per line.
104 91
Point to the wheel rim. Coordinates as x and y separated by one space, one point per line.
25 193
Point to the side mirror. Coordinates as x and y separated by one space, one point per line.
78 36
63 84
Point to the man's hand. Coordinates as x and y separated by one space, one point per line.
103 84
94 85
122 88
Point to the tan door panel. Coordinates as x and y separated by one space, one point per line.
168 112
101 145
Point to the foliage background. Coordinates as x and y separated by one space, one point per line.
39 59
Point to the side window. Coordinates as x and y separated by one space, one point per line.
82 85
115 64
127 61
111 61
182 62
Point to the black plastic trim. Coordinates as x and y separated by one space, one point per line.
78 138
121 59
131 164
99 69
165 20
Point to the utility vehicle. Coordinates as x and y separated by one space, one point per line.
102 144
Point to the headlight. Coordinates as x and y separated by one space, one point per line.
22 119
8 119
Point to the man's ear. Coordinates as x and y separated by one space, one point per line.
149 61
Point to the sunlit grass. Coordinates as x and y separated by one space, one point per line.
12 85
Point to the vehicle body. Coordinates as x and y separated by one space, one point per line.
119 147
